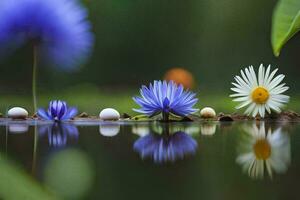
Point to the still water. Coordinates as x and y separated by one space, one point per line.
148 160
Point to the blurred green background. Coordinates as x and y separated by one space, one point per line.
138 41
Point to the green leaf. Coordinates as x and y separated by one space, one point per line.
285 23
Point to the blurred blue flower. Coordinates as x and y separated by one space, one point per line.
165 97
58 28
163 148
57 111
59 133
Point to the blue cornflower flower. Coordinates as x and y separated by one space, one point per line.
165 97
164 148
59 133
57 28
57 111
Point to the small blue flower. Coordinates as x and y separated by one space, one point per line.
164 148
57 111
165 97
59 133
58 28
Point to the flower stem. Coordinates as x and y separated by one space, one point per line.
35 144
165 116
34 73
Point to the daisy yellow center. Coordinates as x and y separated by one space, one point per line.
262 149
260 95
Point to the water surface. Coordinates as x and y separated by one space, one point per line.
120 160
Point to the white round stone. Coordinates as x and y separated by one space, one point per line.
208 112
17 113
109 130
109 114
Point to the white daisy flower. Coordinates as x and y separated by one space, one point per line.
260 150
259 94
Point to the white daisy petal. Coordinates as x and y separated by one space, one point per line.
262 110
280 98
255 111
240 86
241 99
275 81
268 80
279 89
268 108
246 103
267 75
274 106
238 90
246 79
238 95
241 82
250 109
261 72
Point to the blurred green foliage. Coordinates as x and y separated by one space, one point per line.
15 184
138 40
70 174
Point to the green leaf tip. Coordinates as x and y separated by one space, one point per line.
285 23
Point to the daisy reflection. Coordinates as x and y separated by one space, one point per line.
59 133
261 150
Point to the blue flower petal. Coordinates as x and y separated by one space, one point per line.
43 114
71 112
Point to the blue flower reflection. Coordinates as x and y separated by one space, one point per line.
164 148
59 133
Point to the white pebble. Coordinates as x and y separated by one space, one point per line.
109 114
208 112
17 113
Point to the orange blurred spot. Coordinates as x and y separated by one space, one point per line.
180 76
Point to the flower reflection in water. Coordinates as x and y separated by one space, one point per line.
59 133
165 147
261 150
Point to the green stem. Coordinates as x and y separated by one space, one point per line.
165 116
35 144
34 69
6 138
34 75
